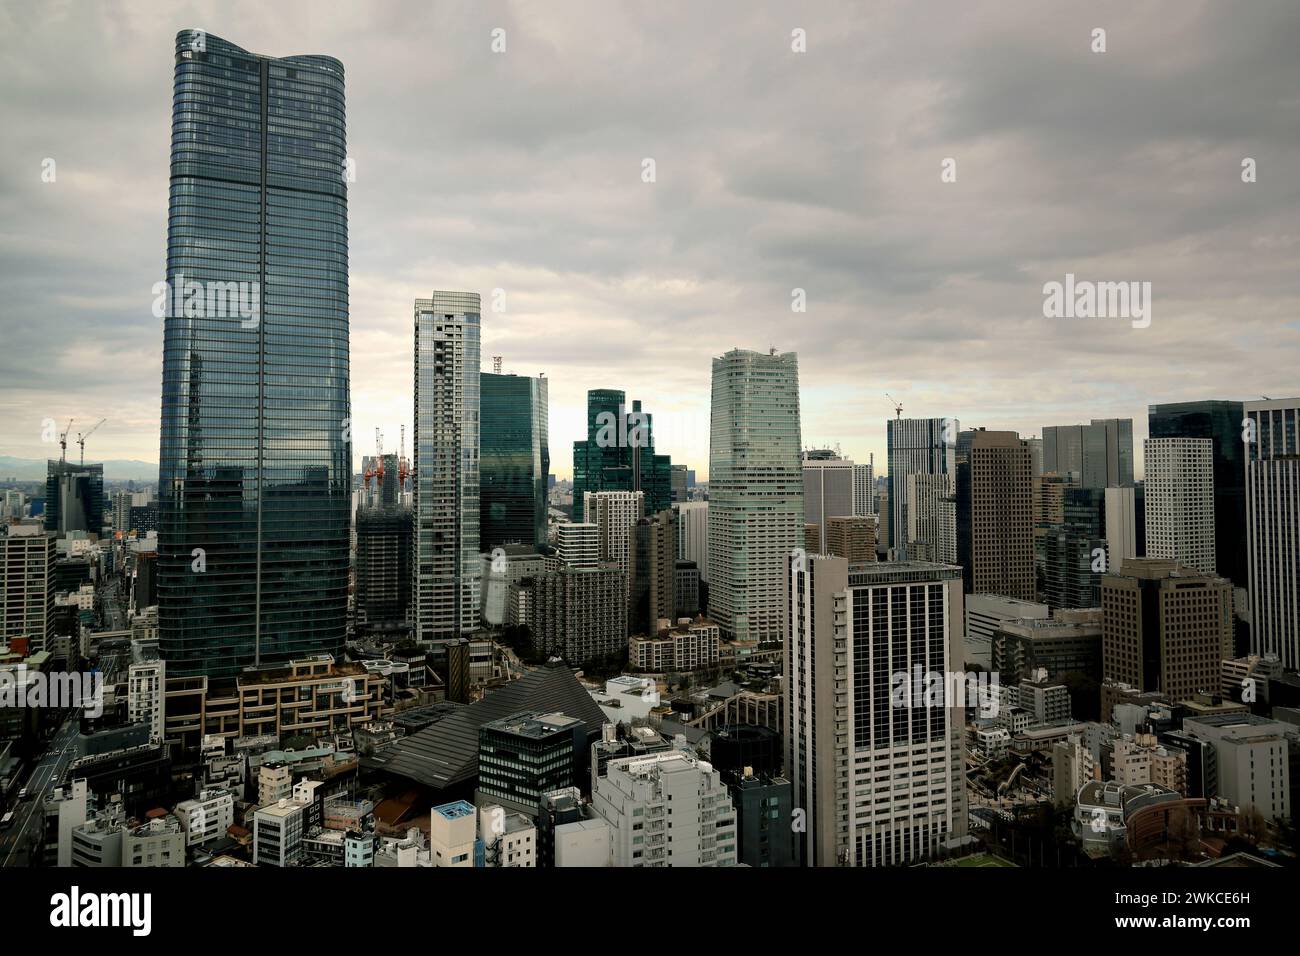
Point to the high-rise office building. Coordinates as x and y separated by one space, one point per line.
1119 450
618 454
680 483
1083 453
1035 456
1165 628
686 591
447 565
995 529
1075 551
756 510
653 573
1179 488
864 488
74 497
852 721
1120 531
827 493
1273 527
615 514
1221 422
918 446
255 471
514 460
27 588
853 539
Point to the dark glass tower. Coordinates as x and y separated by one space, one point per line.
514 460
74 497
1220 421
619 453
254 471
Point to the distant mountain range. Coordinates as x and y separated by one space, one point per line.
34 469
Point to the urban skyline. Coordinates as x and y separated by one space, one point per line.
733 639
598 294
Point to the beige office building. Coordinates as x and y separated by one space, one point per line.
1165 628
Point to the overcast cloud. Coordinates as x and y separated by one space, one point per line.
775 170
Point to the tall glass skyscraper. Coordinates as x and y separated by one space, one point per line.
755 491
514 460
448 568
618 453
255 470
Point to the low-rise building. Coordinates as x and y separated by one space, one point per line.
689 645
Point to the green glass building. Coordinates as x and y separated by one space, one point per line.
514 460
619 453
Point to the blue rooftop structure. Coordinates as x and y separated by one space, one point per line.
455 810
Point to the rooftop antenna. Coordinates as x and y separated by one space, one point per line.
898 406
496 365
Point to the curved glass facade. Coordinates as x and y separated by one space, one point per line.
255 458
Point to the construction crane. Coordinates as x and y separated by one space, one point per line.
898 406
63 441
376 469
81 438
403 466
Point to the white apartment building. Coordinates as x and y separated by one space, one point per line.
1180 501
879 774
578 544
1251 757
685 647
206 817
448 569
864 488
146 698
509 839
666 809
615 513
693 534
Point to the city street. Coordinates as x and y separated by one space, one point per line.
18 842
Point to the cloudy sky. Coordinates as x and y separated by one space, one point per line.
775 170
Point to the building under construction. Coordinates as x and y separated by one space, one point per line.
384 540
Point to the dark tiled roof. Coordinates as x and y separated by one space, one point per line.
446 753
